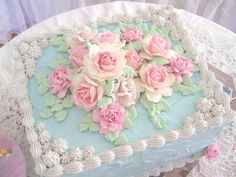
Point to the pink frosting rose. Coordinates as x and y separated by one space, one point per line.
180 66
157 81
212 152
157 46
133 59
108 37
77 56
106 63
86 92
132 35
59 81
111 118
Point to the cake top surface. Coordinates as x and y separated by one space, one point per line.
108 90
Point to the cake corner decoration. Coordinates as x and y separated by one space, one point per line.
111 71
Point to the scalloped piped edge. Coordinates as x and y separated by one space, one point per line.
125 150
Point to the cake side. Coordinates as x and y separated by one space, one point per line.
191 126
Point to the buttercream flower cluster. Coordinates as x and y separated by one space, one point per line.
106 65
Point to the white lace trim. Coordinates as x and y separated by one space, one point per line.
25 56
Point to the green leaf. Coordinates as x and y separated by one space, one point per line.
63 47
57 108
145 102
196 68
88 124
191 55
131 113
129 123
121 140
67 102
46 113
128 71
117 31
158 61
187 80
42 80
57 40
134 45
110 86
52 100
60 61
184 89
178 48
164 31
143 27
111 137
93 25
165 106
153 29
60 116
122 26
105 100
158 122
198 155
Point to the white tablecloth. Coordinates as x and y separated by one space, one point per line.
213 42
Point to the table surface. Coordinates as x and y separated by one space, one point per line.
213 43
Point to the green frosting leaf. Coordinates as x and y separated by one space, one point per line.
46 113
60 61
93 25
67 102
117 31
131 113
105 100
87 124
198 155
178 48
117 138
158 122
187 80
110 86
196 68
134 45
143 27
185 89
57 107
59 41
153 29
121 140
111 137
42 80
191 55
60 116
129 123
164 31
154 110
128 71
122 26
158 61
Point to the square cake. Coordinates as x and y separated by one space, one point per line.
118 97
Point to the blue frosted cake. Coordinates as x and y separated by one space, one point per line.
119 98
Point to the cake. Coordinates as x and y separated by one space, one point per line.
118 97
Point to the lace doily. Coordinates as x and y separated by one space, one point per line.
221 56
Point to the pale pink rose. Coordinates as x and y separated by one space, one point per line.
111 118
105 63
212 152
107 37
133 59
59 81
77 56
181 66
156 81
86 92
126 91
157 46
132 35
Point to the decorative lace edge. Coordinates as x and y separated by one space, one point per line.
24 64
